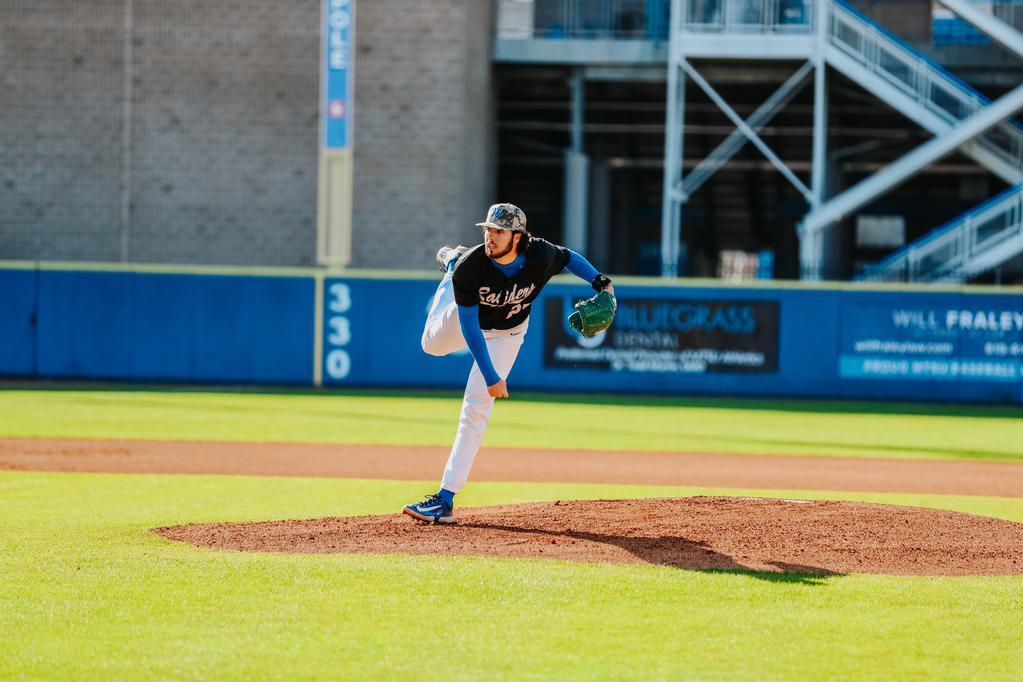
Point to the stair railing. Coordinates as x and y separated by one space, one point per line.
929 85
748 16
948 250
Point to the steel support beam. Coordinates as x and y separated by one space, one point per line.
993 27
813 248
894 174
736 140
671 203
818 178
576 171
671 208
746 130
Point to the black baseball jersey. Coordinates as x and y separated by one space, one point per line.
505 301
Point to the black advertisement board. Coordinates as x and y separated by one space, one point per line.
669 336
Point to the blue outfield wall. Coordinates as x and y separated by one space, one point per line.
17 322
950 345
138 326
699 340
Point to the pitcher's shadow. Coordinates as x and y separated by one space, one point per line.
683 553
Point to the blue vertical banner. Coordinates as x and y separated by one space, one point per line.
339 76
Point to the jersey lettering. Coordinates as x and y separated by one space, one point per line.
499 299
504 301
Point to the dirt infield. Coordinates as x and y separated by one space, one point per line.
508 464
752 534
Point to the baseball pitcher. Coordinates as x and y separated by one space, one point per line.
483 303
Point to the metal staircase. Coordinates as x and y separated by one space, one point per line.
829 32
918 88
976 241
982 237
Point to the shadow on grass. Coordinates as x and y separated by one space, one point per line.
680 552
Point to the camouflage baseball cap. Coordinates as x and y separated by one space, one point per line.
505 217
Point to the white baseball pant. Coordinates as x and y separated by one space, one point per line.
441 336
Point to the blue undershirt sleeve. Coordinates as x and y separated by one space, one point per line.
581 268
469 321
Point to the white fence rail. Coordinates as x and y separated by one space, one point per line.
584 19
949 251
748 16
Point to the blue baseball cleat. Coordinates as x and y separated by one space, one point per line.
432 510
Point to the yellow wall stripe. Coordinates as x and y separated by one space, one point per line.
318 333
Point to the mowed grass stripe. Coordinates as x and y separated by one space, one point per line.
90 593
599 423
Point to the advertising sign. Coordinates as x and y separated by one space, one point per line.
956 338
669 336
338 74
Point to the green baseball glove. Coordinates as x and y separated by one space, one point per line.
594 315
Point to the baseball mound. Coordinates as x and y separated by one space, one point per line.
725 533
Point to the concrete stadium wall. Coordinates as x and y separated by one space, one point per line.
310 327
424 129
209 135
61 118
204 148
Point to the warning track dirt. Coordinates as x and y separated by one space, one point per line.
422 463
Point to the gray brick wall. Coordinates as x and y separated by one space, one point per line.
423 129
60 129
224 130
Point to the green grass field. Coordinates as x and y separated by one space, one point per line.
87 592
588 422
